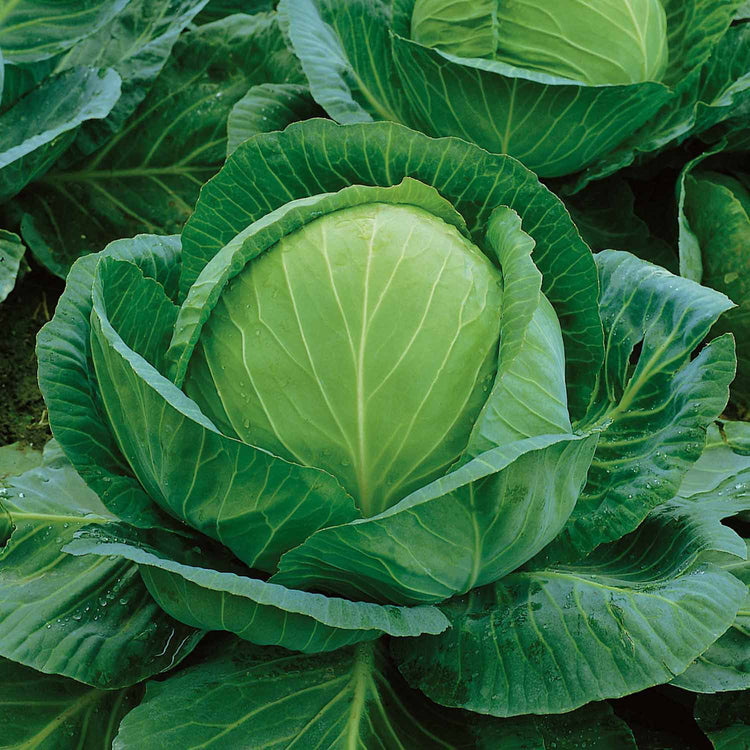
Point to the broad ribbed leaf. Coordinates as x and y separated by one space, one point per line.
725 80
694 28
267 504
269 106
260 612
634 614
486 518
318 156
41 126
353 698
20 79
136 43
11 252
37 29
671 124
349 92
528 397
726 664
691 257
90 619
717 487
655 404
147 177
47 712
68 382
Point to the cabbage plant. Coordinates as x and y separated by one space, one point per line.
431 468
565 86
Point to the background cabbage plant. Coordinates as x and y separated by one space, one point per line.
564 87
373 586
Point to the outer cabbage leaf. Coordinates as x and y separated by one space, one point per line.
11 253
269 106
359 71
547 639
42 125
33 30
203 588
654 401
47 712
68 382
245 696
136 44
95 622
717 487
486 518
147 177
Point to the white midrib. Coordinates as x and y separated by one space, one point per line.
362 478
360 679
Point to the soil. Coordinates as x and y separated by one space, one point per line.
23 416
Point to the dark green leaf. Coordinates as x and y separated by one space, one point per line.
11 252
47 712
549 640
68 383
353 698
37 29
257 611
655 405
486 518
41 126
269 106
90 620
147 177
136 43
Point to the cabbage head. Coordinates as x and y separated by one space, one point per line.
381 418
570 86
609 41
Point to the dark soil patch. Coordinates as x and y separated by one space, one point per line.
23 415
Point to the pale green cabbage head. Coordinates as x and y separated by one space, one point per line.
364 343
593 41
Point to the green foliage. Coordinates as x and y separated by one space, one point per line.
357 443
